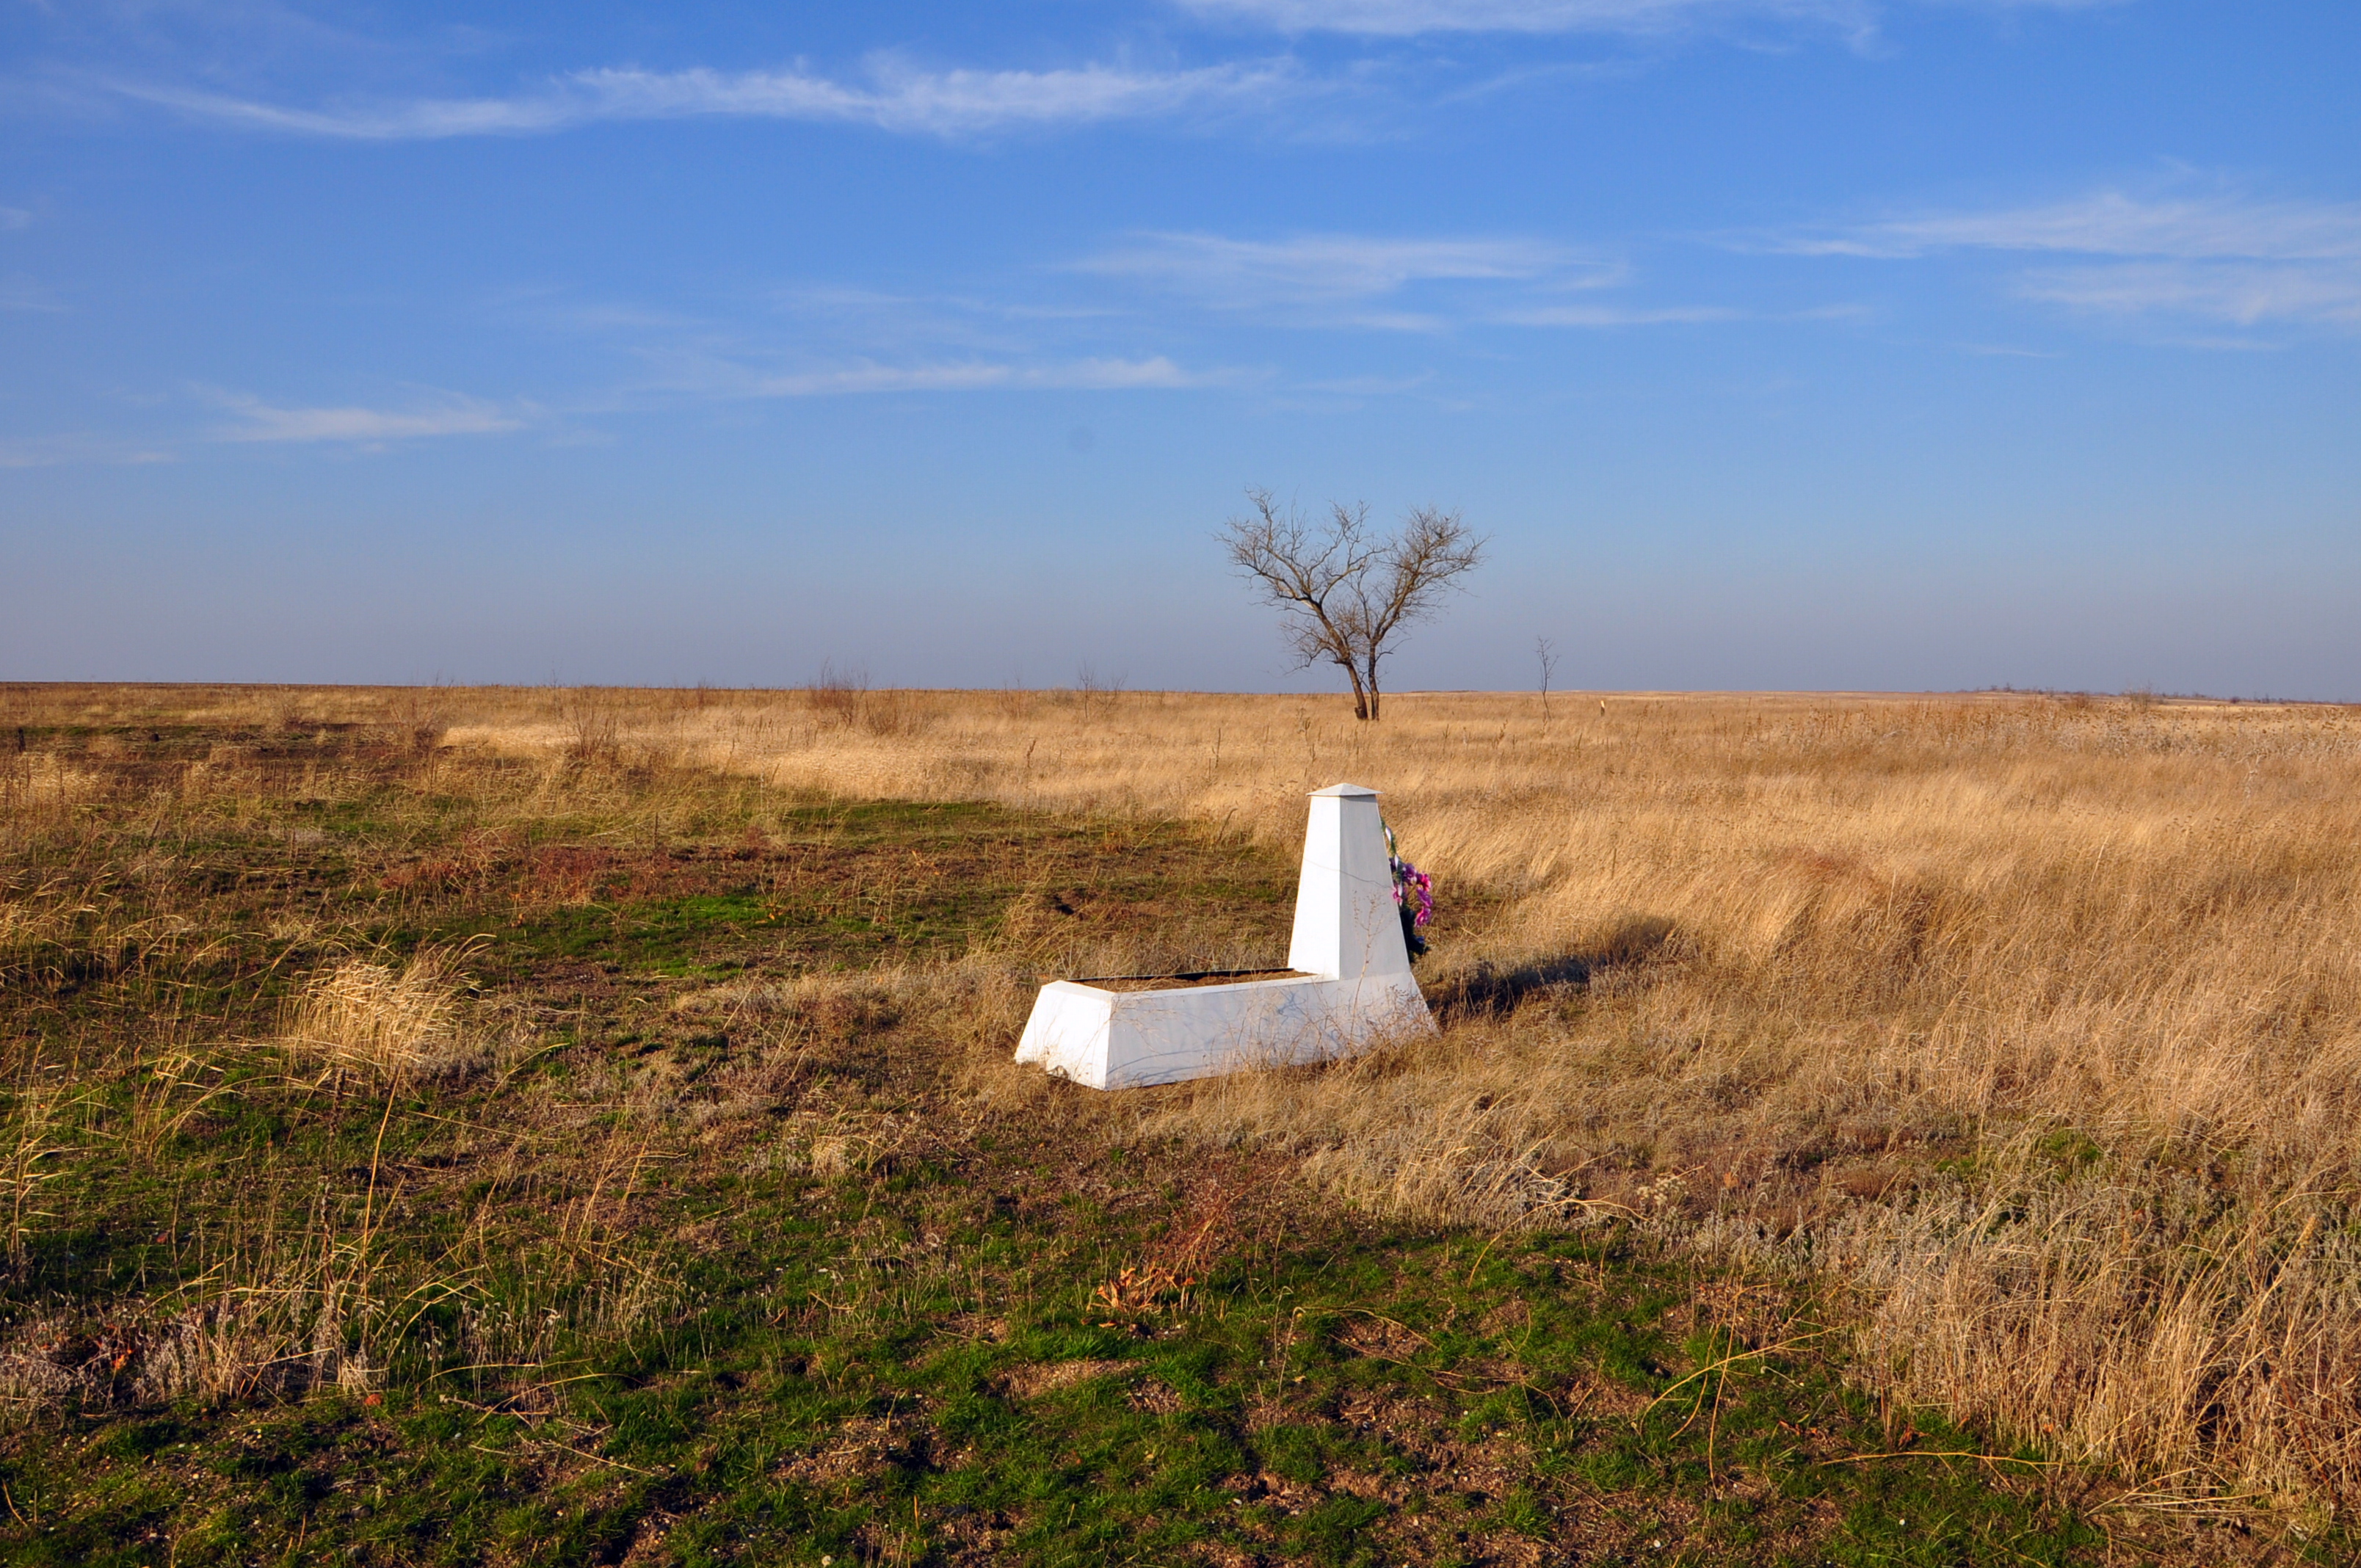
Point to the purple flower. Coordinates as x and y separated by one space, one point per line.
1413 892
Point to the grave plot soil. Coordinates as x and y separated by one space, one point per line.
1192 981
412 1155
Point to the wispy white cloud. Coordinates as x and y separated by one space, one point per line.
2222 257
1404 19
1614 316
1336 272
22 293
877 325
981 375
1367 386
2111 223
1410 18
1387 284
896 96
78 447
2244 294
843 342
446 415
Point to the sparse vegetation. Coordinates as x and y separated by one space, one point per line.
502 1127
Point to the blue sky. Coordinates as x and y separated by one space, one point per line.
1859 343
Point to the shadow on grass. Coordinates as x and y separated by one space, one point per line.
1491 991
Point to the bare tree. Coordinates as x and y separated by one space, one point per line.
1546 652
1347 592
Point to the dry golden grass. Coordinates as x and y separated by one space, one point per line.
382 1020
2033 1023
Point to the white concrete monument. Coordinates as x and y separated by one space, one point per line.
1352 981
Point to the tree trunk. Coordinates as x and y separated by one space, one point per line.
1374 697
1360 693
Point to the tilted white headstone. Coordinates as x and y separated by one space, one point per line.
1352 984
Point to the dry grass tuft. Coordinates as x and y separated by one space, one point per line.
378 1020
274 1343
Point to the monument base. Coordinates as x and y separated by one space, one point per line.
1127 1039
1351 984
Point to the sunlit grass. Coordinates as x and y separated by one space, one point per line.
631 1069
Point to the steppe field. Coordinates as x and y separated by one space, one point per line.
556 1126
